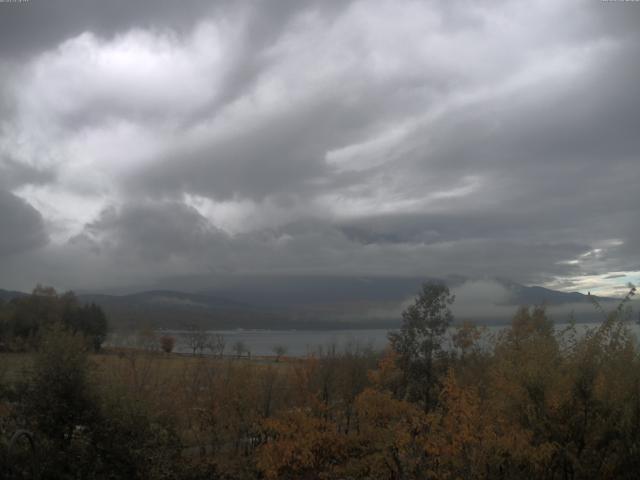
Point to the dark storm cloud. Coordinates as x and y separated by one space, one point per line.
284 154
566 161
22 226
37 25
314 137
513 224
152 232
176 236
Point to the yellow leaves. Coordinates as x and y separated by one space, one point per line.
386 441
468 437
299 442
387 376
467 336
457 430
391 433
380 409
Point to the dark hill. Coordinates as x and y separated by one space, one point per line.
304 302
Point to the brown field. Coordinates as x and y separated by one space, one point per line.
14 366
181 386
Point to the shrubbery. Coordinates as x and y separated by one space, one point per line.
529 402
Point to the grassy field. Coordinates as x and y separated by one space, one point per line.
130 362
173 383
14 366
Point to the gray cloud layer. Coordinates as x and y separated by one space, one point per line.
22 226
342 138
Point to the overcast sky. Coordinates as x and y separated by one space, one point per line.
141 141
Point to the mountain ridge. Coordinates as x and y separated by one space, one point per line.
307 303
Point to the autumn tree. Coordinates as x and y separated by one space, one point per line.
167 343
466 338
302 445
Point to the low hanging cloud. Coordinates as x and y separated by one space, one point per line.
320 138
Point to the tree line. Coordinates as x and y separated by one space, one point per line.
532 401
23 318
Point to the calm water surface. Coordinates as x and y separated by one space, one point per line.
304 342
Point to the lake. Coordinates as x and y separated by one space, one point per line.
299 342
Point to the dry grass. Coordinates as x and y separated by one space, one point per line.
15 366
